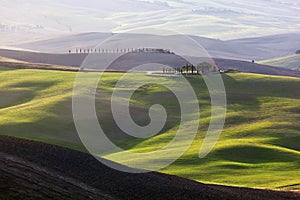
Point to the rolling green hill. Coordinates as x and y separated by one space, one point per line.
289 62
259 147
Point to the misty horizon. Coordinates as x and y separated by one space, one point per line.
33 20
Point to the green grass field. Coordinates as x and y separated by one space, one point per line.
259 146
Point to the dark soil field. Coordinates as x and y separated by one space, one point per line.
33 170
125 62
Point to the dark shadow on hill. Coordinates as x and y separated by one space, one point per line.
29 90
56 172
249 67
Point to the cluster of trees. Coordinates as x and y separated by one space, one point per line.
202 68
190 69
126 50
298 51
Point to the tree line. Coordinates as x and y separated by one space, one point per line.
120 50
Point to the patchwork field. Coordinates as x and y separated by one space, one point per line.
259 146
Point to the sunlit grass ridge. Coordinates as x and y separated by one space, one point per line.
259 146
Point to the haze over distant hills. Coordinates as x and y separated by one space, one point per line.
35 19
226 29
259 48
289 62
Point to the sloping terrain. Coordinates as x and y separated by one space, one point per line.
32 170
259 48
259 146
18 64
23 21
74 60
267 47
127 62
65 43
289 62
249 67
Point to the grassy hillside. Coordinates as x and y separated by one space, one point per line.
289 62
259 147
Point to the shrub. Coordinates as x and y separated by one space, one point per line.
231 70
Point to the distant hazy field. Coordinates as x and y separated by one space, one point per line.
259 146
289 62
